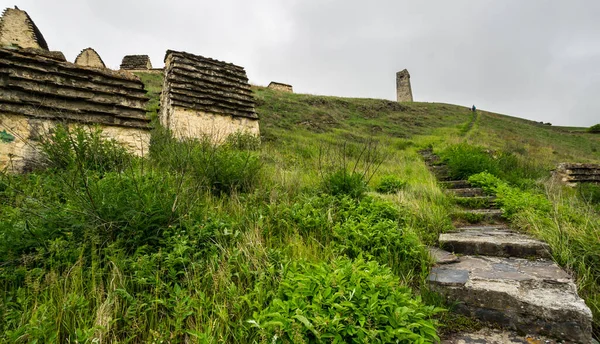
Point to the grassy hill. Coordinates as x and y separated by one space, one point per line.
196 243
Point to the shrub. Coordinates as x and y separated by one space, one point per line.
464 160
344 302
222 169
243 141
343 182
372 228
589 192
349 169
390 184
83 149
512 200
594 128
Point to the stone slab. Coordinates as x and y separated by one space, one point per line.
493 241
494 336
528 296
440 256
467 192
456 184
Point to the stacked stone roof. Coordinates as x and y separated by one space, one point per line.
8 35
34 85
207 85
86 58
574 173
136 62
278 83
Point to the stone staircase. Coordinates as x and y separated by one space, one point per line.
502 277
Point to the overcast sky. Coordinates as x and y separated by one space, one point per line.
536 59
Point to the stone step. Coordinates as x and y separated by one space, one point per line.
495 241
476 202
440 256
456 184
535 297
479 215
467 192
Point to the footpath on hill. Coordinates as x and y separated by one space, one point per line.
502 277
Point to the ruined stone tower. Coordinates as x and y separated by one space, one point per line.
17 29
403 89
89 58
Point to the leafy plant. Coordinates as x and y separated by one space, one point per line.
82 149
511 199
390 184
347 301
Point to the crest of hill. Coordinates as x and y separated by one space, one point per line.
209 85
358 119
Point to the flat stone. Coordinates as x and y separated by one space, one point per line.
440 256
494 336
487 214
535 297
456 184
467 192
496 241
476 201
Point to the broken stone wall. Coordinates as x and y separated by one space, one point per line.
575 173
37 93
403 88
281 87
202 97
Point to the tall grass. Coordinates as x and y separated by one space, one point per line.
185 245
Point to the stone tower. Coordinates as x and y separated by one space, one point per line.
403 89
17 29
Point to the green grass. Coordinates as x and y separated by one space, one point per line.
168 248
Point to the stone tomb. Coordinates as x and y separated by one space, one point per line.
202 97
136 62
18 29
89 58
281 87
403 89
574 173
38 92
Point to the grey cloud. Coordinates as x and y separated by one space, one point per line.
535 59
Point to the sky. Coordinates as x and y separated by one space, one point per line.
535 59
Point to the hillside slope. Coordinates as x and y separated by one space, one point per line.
320 232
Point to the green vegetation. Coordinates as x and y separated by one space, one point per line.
345 302
594 128
562 217
286 241
390 184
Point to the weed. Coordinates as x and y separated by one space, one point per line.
390 184
345 301
82 149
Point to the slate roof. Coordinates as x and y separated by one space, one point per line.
208 85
